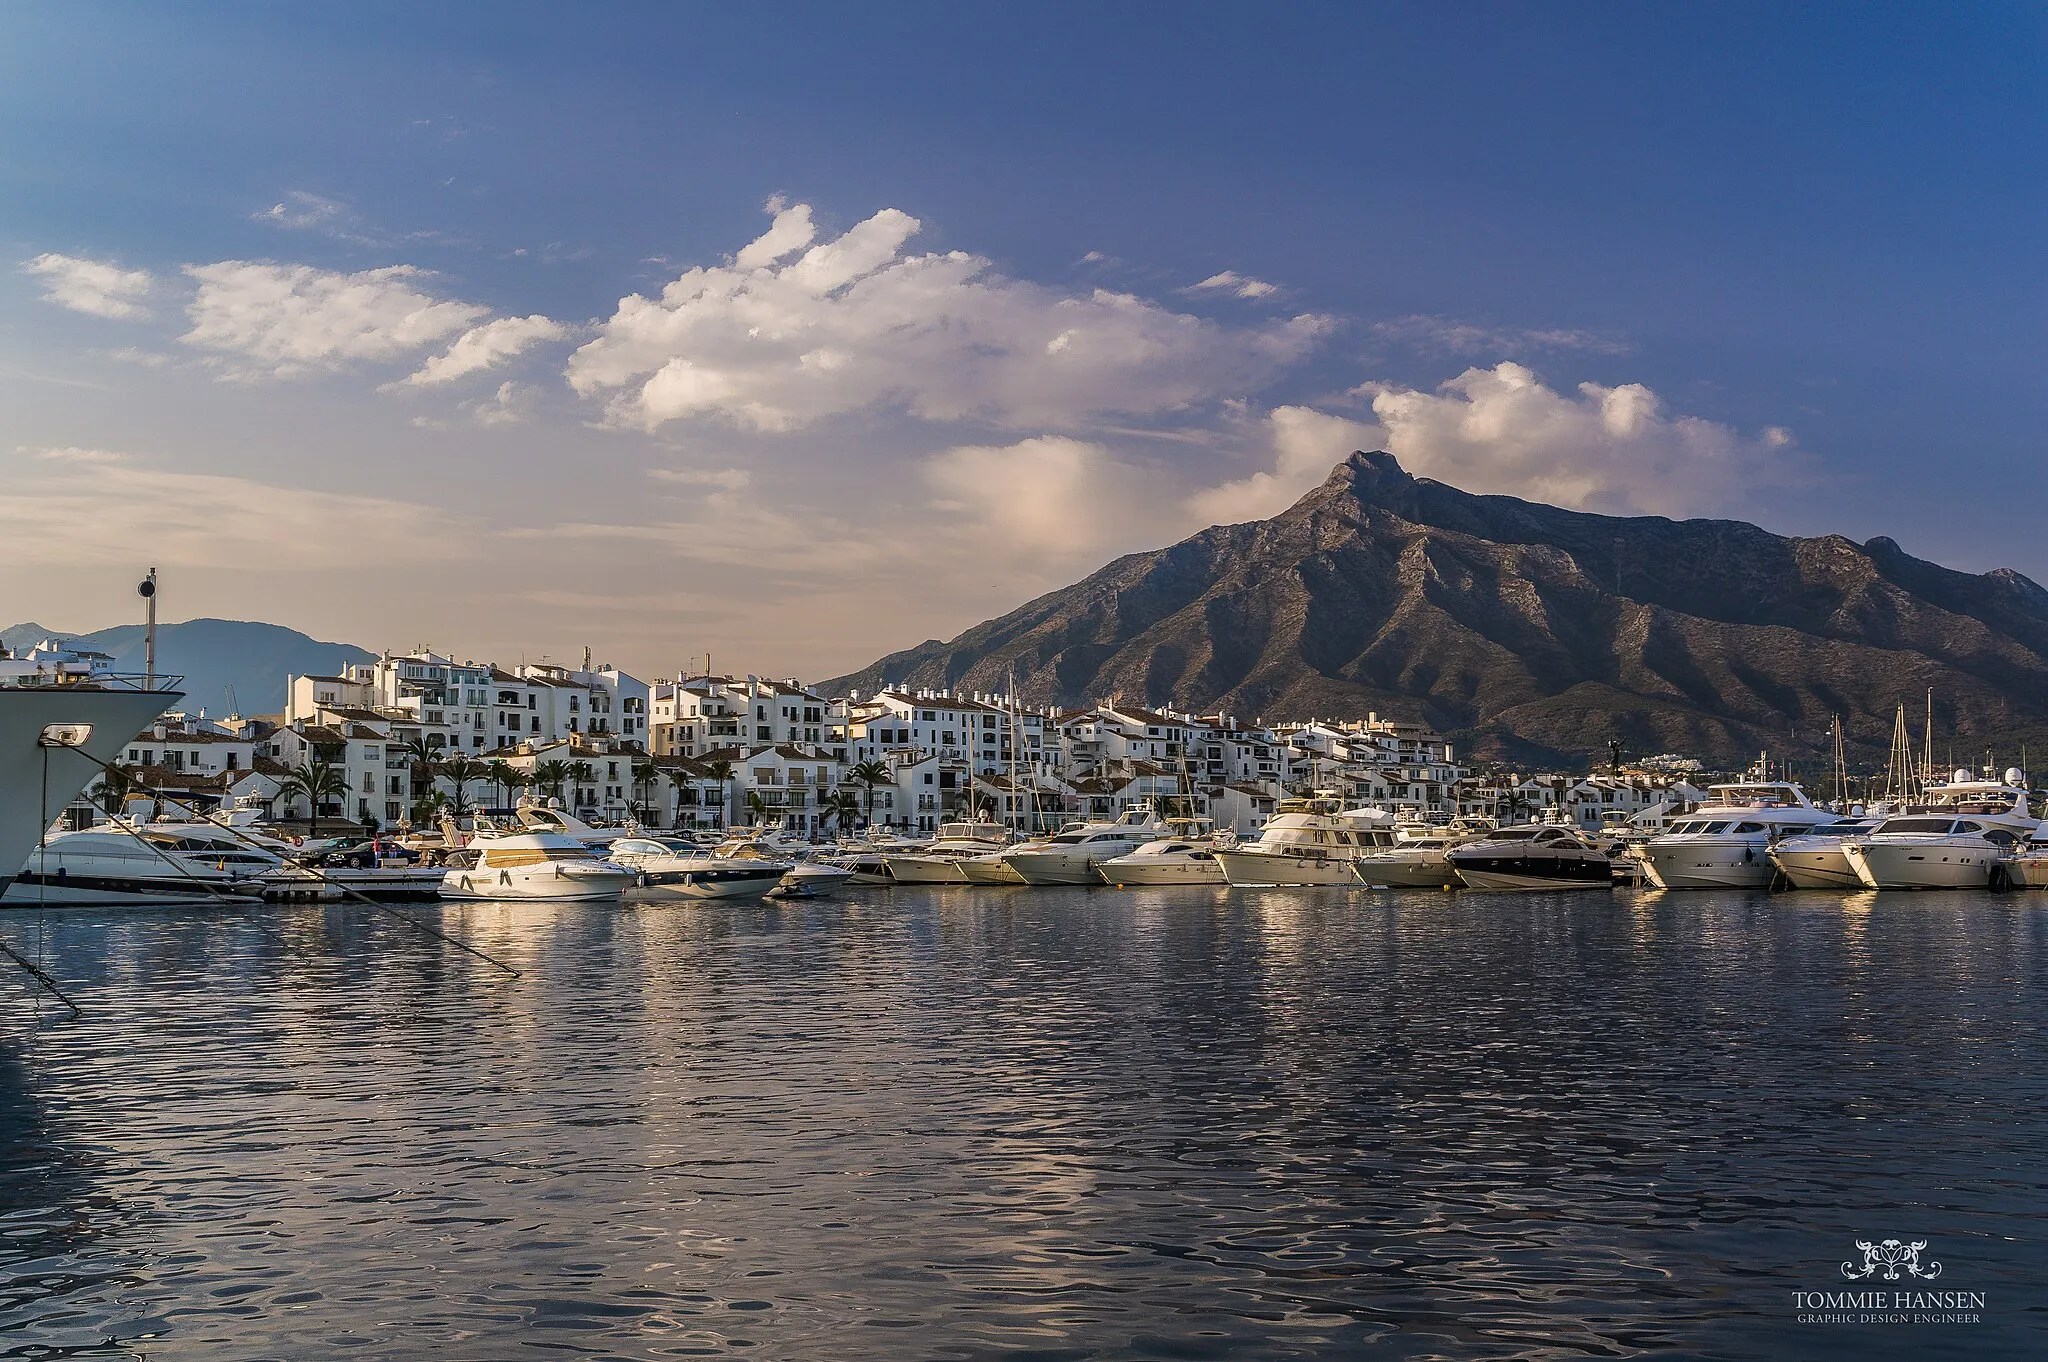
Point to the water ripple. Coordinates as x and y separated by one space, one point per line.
1004 1125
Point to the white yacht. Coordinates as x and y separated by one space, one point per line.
534 865
939 863
58 723
679 868
1309 842
1071 857
989 869
1965 830
1534 856
1725 842
123 865
1815 860
1186 857
803 874
1420 859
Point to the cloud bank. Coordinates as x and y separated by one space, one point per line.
796 329
1600 449
286 320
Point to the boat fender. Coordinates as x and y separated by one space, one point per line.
640 880
505 876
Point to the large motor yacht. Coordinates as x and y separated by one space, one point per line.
1186 857
124 865
1815 860
534 865
679 868
1534 856
59 721
1965 830
1071 857
1419 859
939 863
804 873
1309 841
1725 842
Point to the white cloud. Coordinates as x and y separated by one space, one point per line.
730 479
483 347
1602 449
1233 282
74 454
1448 336
288 319
1306 444
1047 498
93 287
795 330
85 507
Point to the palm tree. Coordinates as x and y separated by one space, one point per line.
422 754
114 789
427 805
756 806
460 771
844 806
549 775
645 773
681 782
722 771
870 773
581 772
318 782
505 776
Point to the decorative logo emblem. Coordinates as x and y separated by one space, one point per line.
1888 1256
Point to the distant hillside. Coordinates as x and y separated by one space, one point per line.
252 659
1526 629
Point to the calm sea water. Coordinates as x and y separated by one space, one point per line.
1027 1124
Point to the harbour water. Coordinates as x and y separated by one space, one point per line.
956 1123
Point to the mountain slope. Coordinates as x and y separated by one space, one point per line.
1523 627
217 658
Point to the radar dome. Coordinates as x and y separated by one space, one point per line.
2015 776
1961 775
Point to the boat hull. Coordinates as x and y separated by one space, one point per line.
1055 867
1122 874
485 884
924 870
31 889
983 870
1708 865
1822 869
1909 865
1407 873
1265 870
40 780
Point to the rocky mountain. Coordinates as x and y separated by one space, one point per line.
226 663
1526 629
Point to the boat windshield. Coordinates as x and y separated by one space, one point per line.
1924 826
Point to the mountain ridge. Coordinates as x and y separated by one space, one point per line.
1526 629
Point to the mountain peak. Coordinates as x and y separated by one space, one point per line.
1524 628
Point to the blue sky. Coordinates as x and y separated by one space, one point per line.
1793 254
